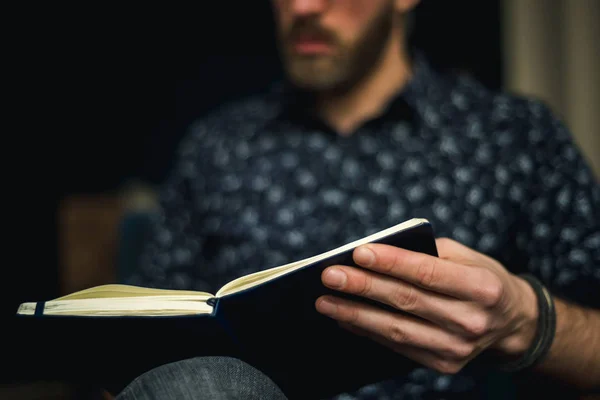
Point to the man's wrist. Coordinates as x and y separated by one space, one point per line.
525 326
544 332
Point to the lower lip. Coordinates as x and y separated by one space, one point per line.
312 47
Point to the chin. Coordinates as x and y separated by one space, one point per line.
312 85
320 84
314 77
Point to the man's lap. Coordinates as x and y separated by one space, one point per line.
218 378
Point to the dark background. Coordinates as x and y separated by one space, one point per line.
106 93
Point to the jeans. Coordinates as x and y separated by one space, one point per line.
215 378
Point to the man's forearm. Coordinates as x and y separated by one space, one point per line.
575 353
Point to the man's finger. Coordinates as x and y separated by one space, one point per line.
421 356
431 273
456 315
395 328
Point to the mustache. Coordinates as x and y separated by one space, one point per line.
309 28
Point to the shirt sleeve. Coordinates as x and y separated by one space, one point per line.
561 219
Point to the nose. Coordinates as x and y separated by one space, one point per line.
302 8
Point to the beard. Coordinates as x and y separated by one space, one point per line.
349 62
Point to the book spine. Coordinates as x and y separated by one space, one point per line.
220 316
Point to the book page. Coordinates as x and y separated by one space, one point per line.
122 300
118 290
123 306
256 277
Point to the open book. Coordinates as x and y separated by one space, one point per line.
121 300
267 319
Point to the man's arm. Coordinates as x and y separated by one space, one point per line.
575 353
561 241
464 302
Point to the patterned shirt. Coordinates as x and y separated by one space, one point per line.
262 182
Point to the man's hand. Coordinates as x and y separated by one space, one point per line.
459 304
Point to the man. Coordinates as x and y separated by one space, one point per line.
366 134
